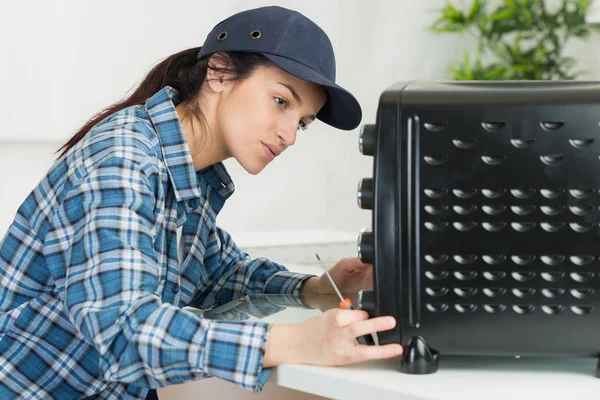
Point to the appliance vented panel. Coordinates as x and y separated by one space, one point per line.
508 212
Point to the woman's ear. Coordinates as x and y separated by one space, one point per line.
217 74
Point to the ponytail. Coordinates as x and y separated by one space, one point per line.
184 73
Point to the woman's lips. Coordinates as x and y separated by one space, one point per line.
270 155
273 150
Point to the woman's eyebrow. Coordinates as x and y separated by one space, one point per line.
291 89
296 97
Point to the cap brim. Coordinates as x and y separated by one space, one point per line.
341 110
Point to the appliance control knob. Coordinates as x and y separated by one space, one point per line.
366 140
365 194
366 248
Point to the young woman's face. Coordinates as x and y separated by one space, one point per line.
259 117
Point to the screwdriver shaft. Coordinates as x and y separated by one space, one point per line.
330 278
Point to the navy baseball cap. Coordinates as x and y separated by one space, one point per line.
296 45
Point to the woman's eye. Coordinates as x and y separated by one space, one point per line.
281 102
302 126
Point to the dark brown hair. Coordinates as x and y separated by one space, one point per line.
183 72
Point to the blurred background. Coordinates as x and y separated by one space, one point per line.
64 60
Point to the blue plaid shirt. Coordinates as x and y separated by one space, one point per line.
92 293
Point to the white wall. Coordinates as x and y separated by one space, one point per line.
68 59
65 60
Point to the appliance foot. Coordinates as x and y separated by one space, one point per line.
418 358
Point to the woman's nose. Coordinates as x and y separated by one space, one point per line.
288 136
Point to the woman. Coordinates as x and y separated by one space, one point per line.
120 235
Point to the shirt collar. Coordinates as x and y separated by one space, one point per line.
186 180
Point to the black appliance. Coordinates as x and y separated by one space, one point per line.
485 235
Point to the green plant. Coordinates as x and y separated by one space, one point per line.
517 39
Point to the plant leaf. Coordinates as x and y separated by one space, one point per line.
517 39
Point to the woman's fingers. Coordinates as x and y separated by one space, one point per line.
354 264
344 318
365 327
362 353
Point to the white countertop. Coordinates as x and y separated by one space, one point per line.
457 377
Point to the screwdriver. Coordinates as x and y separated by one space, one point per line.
345 304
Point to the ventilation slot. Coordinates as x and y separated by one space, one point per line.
552 276
552 159
466 259
581 227
522 143
437 292
582 276
551 125
464 143
436 210
522 193
435 126
523 226
465 275
582 310
552 227
464 210
553 260
553 309
552 293
494 210
552 193
581 211
526 309
523 293
523 276
437 307
436 227
552 210
580 193
494 259
436 193
582 293
437 259
436 275
465 292
436 161
491 126
494 276
493 160
493 226
523 210
465 308
581 261
523 259
494 292
494 308
464 194
465 226
581 143
493 193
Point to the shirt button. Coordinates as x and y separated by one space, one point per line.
193 203
175 288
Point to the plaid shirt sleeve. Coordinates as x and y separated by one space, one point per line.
252 276
101 244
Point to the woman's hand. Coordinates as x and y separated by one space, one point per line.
349 274
329 339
